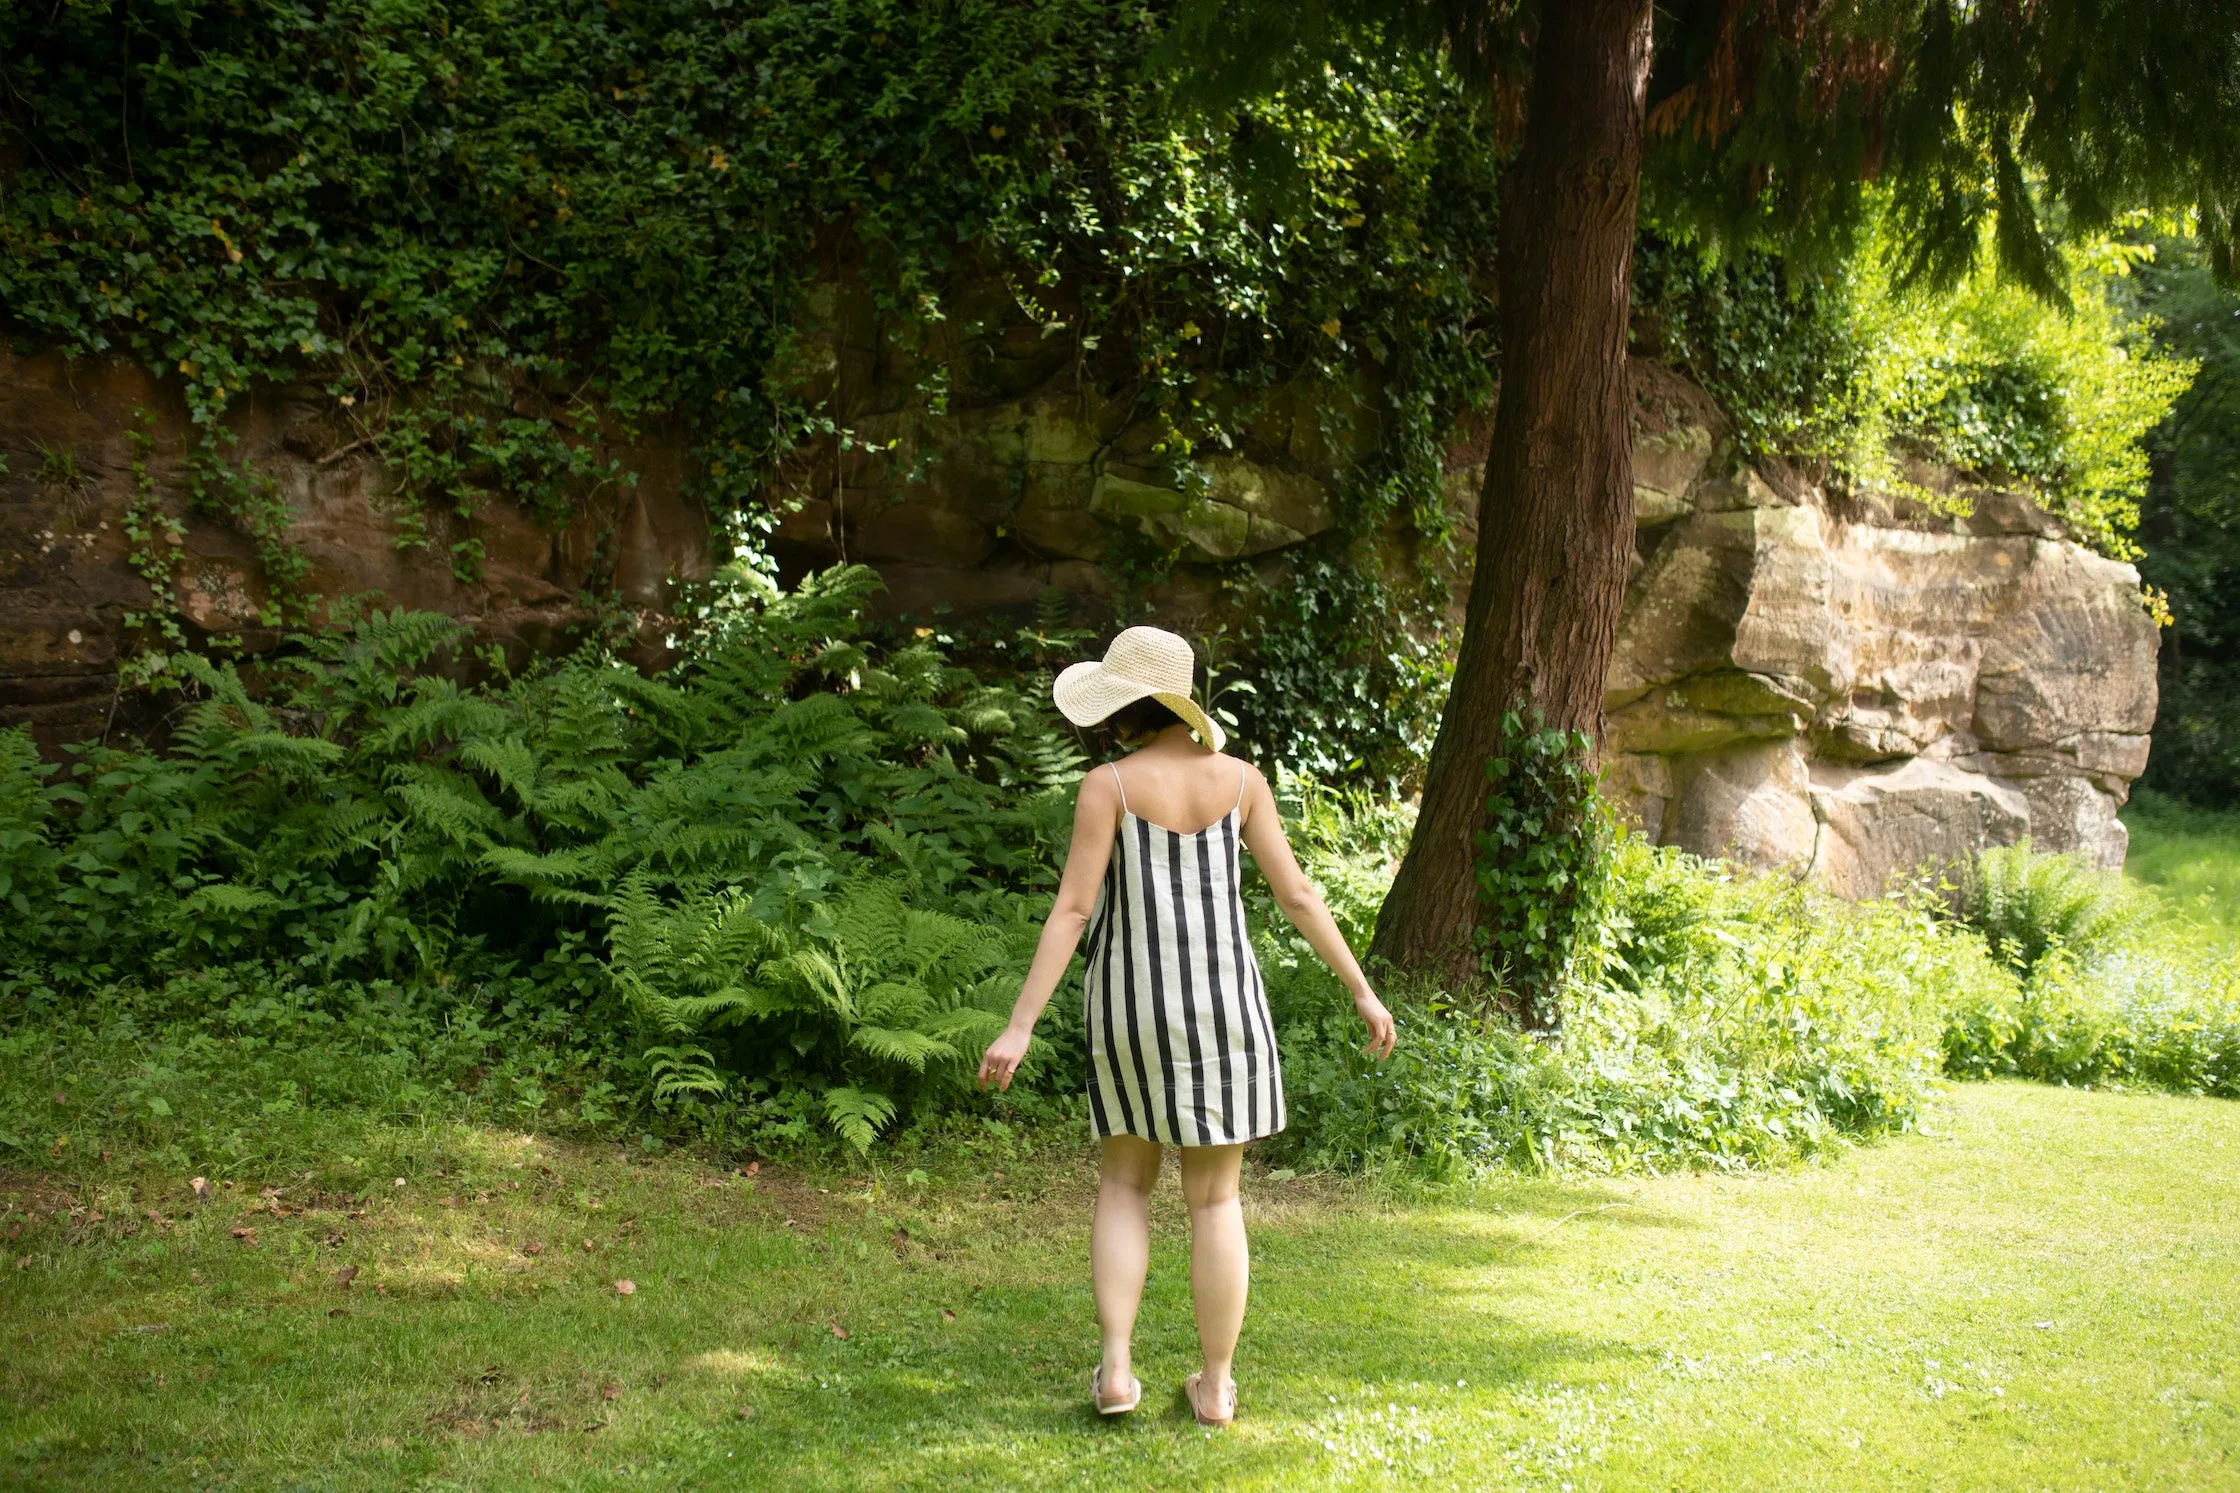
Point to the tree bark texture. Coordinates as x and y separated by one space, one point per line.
1555 518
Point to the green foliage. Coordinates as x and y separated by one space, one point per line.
2130 983
1543 857
1723 1022
1348 678
863 997
2191 530
2135 1018
1834 369
2189 856
503 237
1978 134
2029 906
623 843
1768 340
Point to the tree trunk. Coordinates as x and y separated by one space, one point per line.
1555 518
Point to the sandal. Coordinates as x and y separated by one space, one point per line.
1096 1394
1190 1393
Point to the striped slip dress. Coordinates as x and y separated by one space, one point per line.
1181 1050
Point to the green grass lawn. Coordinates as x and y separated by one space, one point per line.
2039 1293
2192 854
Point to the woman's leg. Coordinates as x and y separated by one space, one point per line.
1120 1249
1220 1263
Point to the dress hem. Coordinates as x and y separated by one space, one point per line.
1163 1141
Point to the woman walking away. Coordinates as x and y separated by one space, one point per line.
1181 1050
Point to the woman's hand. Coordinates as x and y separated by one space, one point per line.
1382 1032
1006 1053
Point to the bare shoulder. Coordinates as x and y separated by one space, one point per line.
1252 777
1254 784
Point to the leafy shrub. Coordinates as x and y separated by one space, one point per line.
354 813
2130 1019
1714 1020
2190 528
1348 675
2028 904
860 996
1834 365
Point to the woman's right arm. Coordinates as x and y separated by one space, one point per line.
1096 821
1301 901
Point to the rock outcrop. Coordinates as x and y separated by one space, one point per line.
67 583
1844 688
1854 689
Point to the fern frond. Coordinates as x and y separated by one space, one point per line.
684 1070
509 761
437 799
858 1114
897 1045
228 899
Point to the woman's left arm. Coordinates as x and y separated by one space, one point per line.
1096 820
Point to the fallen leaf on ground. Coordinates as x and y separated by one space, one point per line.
532 1249
201 1186
839 1332
626 1288
948 1315
246 1236
588 1246
610 1390
745 1412
345 1275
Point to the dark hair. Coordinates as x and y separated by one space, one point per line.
1144 717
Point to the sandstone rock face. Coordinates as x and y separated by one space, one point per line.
67 582
1847 691
1854 693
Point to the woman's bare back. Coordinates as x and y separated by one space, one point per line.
1179 785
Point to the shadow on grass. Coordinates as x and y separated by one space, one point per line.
966 1368
1351 1306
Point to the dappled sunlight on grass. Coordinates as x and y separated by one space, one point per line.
2040 1284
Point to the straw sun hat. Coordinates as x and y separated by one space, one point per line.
1143 661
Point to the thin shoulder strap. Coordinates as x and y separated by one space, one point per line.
1114 769
1240 787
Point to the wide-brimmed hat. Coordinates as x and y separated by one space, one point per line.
1143 662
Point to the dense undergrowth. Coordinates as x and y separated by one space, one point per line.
776 898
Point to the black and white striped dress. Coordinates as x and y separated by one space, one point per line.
1181 1050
